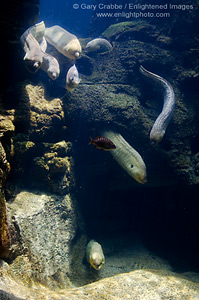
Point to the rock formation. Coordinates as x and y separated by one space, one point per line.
6 150
141 284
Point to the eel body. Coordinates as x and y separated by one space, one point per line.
43 44
127 157
30 41
161 123
33 56
34 45
98 45
65 42
37 32
50 65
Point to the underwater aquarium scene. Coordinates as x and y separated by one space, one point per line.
99 150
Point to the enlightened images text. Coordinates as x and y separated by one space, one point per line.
132 6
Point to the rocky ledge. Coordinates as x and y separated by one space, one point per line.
140 284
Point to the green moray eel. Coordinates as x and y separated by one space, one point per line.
127 157
33 56
72 78
50 65
30 41
161 123
37 32
65 42
95 255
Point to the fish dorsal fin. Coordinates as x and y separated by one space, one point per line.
98 137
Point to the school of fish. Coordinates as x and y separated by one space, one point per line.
34 41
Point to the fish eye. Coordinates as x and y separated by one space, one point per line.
131 166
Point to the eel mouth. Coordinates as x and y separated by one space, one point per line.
143 181
155 141
31 66
76 54
142 178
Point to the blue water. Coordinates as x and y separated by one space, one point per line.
63 14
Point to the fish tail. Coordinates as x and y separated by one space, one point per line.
91 141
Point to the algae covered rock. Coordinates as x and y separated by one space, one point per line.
40 117
44 166
6 151
54 170
138 30
6 125
5 238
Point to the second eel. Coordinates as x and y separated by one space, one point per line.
161 123
127 157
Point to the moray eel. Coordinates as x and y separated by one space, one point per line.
127 157
50 65
36 30
43 44
34 44
98 45
30 41
161 123
34 55
65 42
72 78
95 255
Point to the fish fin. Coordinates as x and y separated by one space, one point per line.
26 56
91 141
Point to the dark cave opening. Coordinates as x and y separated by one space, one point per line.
164 219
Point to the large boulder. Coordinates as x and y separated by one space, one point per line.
49 230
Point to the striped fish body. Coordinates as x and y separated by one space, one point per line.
102 143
